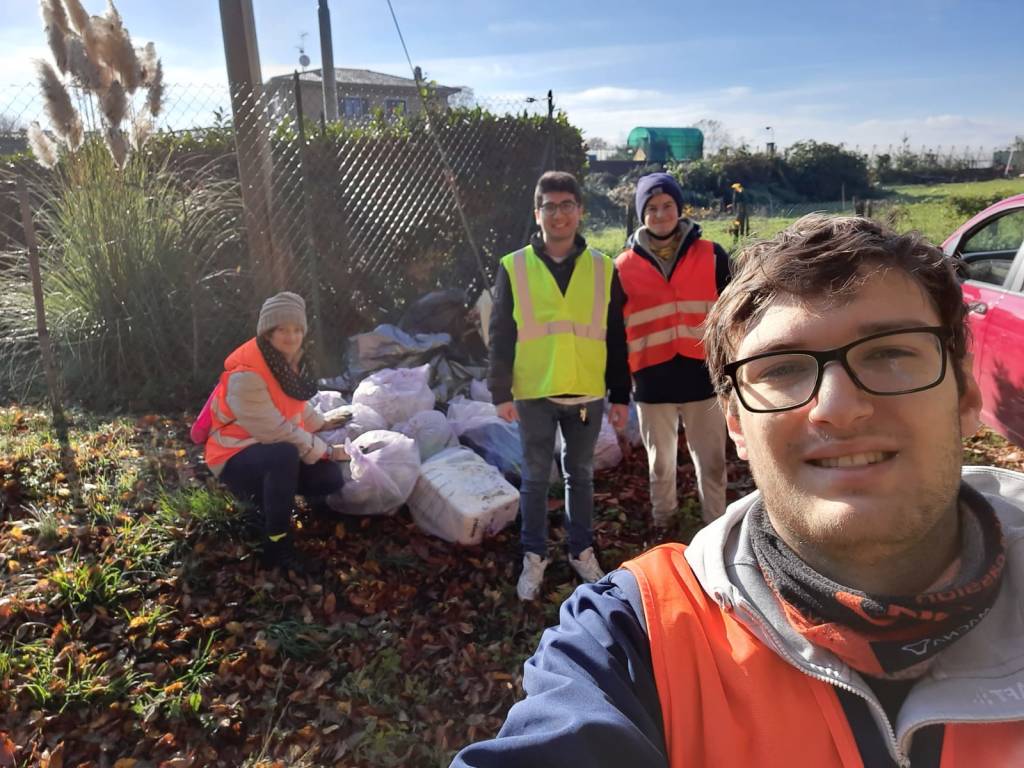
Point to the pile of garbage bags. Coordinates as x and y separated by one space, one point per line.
421 429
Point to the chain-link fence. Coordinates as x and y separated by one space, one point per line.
404 194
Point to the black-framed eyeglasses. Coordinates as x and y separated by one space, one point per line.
888 363
566 207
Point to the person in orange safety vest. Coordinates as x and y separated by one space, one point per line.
671 278
262 442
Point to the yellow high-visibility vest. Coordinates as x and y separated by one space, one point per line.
560 344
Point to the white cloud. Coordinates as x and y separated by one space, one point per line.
605 95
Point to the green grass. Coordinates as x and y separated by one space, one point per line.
928 208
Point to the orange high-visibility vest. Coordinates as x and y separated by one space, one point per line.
665 318
227 436
729 700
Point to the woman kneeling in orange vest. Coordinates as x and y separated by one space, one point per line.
262 443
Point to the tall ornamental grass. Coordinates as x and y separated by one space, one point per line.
141 277
134 274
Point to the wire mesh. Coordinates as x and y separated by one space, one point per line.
402 195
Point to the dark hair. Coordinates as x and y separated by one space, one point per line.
822 255
556 181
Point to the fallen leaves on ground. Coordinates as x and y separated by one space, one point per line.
136 629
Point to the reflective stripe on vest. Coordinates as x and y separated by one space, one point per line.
227 436
727 699
671 308
560 338
665 317
530 328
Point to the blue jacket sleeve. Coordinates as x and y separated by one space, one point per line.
591 696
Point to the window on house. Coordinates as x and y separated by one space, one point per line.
395 106
354 106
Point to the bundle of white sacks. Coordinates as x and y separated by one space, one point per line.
403 451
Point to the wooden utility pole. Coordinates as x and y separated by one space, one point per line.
252 141
327 63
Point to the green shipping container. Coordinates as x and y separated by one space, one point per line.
662 145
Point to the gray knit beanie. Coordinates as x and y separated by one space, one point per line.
285 307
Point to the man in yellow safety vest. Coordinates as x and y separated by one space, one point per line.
557 347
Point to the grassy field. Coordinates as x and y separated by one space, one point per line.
927 208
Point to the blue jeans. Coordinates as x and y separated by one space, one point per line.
538 420
271 474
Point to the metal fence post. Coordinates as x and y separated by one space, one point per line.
60 421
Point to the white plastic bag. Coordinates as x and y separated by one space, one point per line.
385 466
478 391
430 430
327 400
362 419
396 393
461 498
607 452
465 414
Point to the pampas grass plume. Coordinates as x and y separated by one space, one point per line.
155 97
79 17
148 63
117 145
56 23
42 146
142 128
82 68
114 47
114 103
63 117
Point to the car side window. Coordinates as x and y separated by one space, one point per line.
991 271
1002 234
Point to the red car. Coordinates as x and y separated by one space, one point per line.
992 247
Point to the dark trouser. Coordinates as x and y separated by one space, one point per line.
270 475
538 421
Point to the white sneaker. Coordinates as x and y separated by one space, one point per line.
532 576
586 565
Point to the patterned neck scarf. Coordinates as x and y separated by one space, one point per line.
299 385
887 636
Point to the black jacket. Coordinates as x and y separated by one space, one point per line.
681 379
503 332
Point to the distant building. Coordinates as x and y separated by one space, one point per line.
361 92
666 145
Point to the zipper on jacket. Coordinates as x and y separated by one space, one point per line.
895 749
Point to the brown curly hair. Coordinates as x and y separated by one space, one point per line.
821 255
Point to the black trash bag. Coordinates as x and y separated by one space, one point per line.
441 311
447 311
451 378
388 346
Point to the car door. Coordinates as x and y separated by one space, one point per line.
993 252
1003 359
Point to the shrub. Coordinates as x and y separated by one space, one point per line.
822 171
130 256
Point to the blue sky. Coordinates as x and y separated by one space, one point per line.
942 72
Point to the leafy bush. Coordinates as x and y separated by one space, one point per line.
965 206
822 171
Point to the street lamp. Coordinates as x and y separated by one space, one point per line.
770 148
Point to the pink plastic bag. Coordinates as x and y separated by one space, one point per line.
204 421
